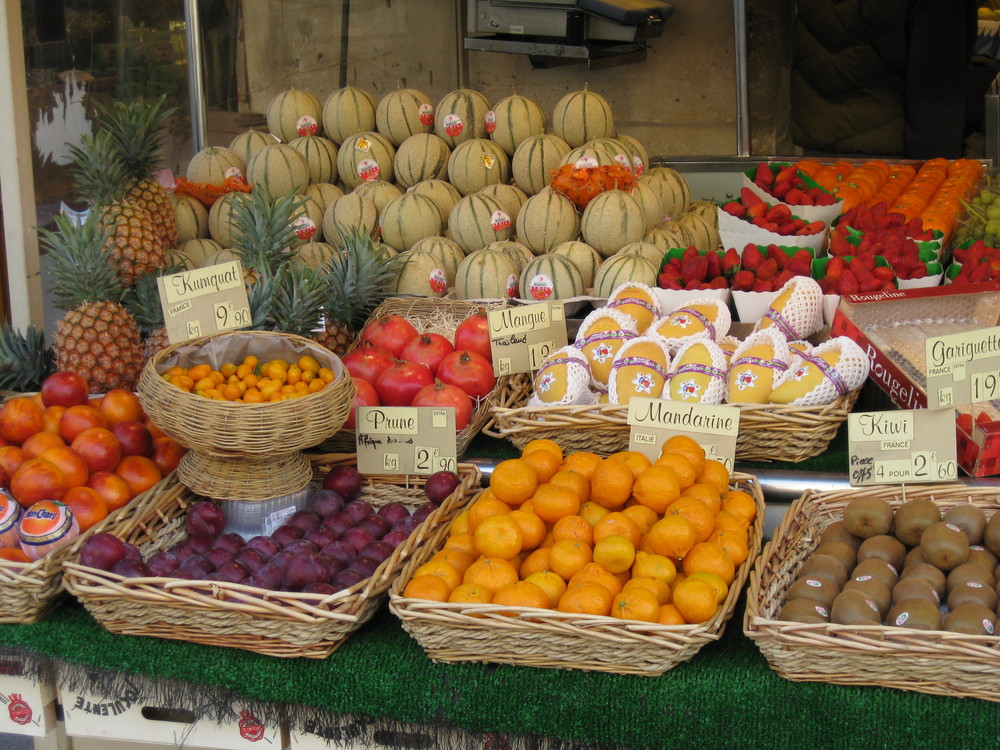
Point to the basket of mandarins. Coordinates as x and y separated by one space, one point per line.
891 586
594 585
274 594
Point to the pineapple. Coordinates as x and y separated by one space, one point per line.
25 360
262 231
297 305
97 337
143 303
137 130
358 279
100 175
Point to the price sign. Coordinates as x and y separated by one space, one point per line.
897 447
406 439
653 420
204 301
963 368
521 338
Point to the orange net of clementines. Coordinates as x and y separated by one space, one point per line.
581 184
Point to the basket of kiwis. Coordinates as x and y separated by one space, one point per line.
895 586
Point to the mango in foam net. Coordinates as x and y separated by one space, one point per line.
704 316
640 369
833 369
562 379
756 366
797 311
602 334
698 374
637 300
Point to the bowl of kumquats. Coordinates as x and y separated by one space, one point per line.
247 393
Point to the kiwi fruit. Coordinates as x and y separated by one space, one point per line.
837 532
820 590
917 614
969 519
967 572
804 610
841 550
972 592
824 566
867 516
853 607
874 589
912 517
971 618
914 588
979 555
883 547
945 545
930 574
914 557
876 568
991 536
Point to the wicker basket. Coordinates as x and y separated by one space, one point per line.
768 432
220 614
244 479
29 590
924 661
230 429
433 315
453 632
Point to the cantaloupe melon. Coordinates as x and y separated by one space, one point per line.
348 211
191 216
706 210
583 256
307 220
409 218
249 142
549 277
448 253
675 193
461 115
476 163
518 253
704 235
534 159
315 254
486 274
402 113
443 193
365 156
547 219
653 253
279 169
294 113
420 157
669 236
477 220
510 197
637 152
611 220
421 274
320 155
600 152
618 269
513 119
323 193
649 201
214 164
220 226
194 253
225 255
380 191
348 111
582 116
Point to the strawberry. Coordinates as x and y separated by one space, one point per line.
743 281
762 286
865 261
914 227
666 281
980 272
776 254
764 175
828 285
824 199
782 190
800 264
719 282
749 198
884 273
756 211
779 213
767 269
868 240
787 228
694 270
714 264
794 196
869 284
769 226
807 201
835 267
752 257
693 284
814 227
734 208
690 253
787 174
730 262
848 284
783 278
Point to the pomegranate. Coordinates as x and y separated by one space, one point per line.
442 394
427 348
398 385
367 361
390 333
469 371
473 334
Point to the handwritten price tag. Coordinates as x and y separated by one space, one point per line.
963 368
406 440
204 301
898 447
521 338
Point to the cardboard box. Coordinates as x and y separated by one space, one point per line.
27 705
892 327
128 717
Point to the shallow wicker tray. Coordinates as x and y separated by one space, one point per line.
29 590
433 315
230 429
275 623
453 632
768 432
924 661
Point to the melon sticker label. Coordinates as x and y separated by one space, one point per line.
18 709
363 144
368 170
896 447
406 439
304 228
306 125
521 338
453 124
513 285
203 301
585 162
637 166
426 113
233 172
438 281
491 121
623 160
489 160
654 420
499 220
541 286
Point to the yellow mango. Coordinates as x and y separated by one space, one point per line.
694 372
751 381
689 320
636 300
803 377
640 369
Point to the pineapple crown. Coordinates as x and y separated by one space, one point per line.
358 277
100 173
143 299
300 294
25 360
81 269
137 131
262 230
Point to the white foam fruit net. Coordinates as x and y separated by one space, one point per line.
846 375
577 374
592 345
713 327
802 314
778 362
625 294
641 384
684 387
